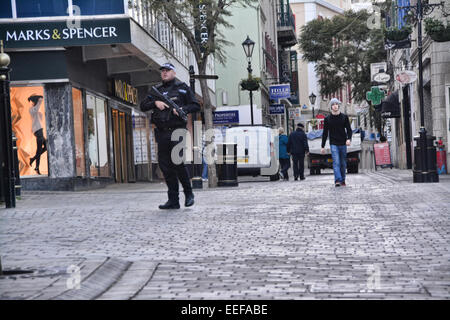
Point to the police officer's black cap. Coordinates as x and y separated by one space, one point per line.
300 125
167 66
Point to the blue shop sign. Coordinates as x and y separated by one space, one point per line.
226 117
280 91
276 109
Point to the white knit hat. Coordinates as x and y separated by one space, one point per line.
334 101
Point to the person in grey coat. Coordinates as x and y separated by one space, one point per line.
298 148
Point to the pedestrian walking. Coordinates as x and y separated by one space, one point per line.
298 147
337 127
167 122
283 156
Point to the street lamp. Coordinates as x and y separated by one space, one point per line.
249 46
312 99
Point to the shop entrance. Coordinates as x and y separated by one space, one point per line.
123 152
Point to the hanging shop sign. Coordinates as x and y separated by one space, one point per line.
280 91
406 77
58 34
276 109
376 68
202 30
382 77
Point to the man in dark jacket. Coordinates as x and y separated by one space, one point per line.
298 147
337 126
167 122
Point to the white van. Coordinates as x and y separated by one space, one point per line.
255 150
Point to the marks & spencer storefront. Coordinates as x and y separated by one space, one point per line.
74 111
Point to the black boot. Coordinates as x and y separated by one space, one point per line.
170 205
189 202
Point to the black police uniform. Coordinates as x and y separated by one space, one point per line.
166 123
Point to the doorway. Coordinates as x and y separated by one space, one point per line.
121 146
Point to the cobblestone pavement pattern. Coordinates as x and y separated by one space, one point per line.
380 237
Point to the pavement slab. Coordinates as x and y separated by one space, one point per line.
381 237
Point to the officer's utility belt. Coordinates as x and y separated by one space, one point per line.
169 129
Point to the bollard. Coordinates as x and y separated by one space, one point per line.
431 175
227 170
16 167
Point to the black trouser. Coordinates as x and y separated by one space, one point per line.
285 165
172 172
41 146
299 165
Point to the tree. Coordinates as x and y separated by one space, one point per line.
343 49
194 19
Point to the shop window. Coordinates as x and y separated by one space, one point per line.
97 136
29 127
5 9
93 7
140 128
41 8
78 125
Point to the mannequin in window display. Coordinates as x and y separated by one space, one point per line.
38 131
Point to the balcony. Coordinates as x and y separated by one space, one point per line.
287 36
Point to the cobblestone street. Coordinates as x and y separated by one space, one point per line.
380 237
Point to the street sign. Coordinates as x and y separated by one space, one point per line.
276 109
375 96
406 77
199 76
279 91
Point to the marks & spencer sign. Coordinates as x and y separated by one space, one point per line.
57 33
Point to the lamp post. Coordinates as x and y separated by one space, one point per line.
249 46
312 99
7 174
197 182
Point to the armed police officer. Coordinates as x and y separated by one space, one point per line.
167 120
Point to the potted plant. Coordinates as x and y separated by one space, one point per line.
436 30
396 34
250 84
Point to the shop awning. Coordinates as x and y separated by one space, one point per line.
390 107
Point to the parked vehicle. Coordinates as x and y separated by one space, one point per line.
255 150
318 161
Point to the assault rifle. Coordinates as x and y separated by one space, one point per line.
158 96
